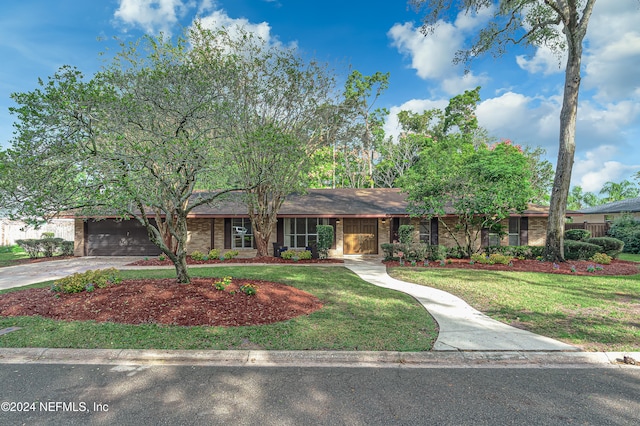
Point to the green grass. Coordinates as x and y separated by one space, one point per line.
356 316
10 254
630 257
595 313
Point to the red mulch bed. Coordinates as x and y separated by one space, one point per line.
162 301
265 259
617 267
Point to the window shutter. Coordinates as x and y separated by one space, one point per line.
333 222
524 231
484 237
395 224
280 232
213 227
434 231
227 233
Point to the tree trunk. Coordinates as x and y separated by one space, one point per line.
554 246
182 275
262 244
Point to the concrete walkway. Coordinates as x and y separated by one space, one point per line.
462 328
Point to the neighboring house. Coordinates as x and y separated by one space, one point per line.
610 211
363 219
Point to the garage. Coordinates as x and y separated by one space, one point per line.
111 237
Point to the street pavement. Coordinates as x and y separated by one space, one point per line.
120 394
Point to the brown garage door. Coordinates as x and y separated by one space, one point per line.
361 236
111 237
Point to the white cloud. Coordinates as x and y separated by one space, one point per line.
459 83
525 120
220 19
597 167
153 15
430 56
612 54
392 126
544 61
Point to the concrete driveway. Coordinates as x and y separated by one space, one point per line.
20 275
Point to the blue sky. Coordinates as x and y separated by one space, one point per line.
521 91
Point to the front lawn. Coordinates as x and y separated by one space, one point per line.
9 255
629 256
356 316
595 313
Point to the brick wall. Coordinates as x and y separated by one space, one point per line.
78 238
198 235
537 231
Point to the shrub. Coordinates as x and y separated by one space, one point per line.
66 248
520 252
414 252
611 246
579 250
577 234
31 246
293 254
389 251
214 254
325 240
231 254
436 253
491 259
456 252
627 229
405 234
249 289
222 283
601 258
499 258
197 255
50 246
86 281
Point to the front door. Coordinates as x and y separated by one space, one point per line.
360 236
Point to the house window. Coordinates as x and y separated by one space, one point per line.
494 239
425 231
241 233
514 231
301 232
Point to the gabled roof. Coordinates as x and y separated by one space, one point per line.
628 205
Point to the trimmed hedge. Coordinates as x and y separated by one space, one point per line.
610 246
580 250
577 234
519 252
46 247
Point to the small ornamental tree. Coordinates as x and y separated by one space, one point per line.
325 240
480 186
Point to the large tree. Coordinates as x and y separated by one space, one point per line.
558 24
136 140
275 120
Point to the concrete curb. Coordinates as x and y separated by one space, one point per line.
352 359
